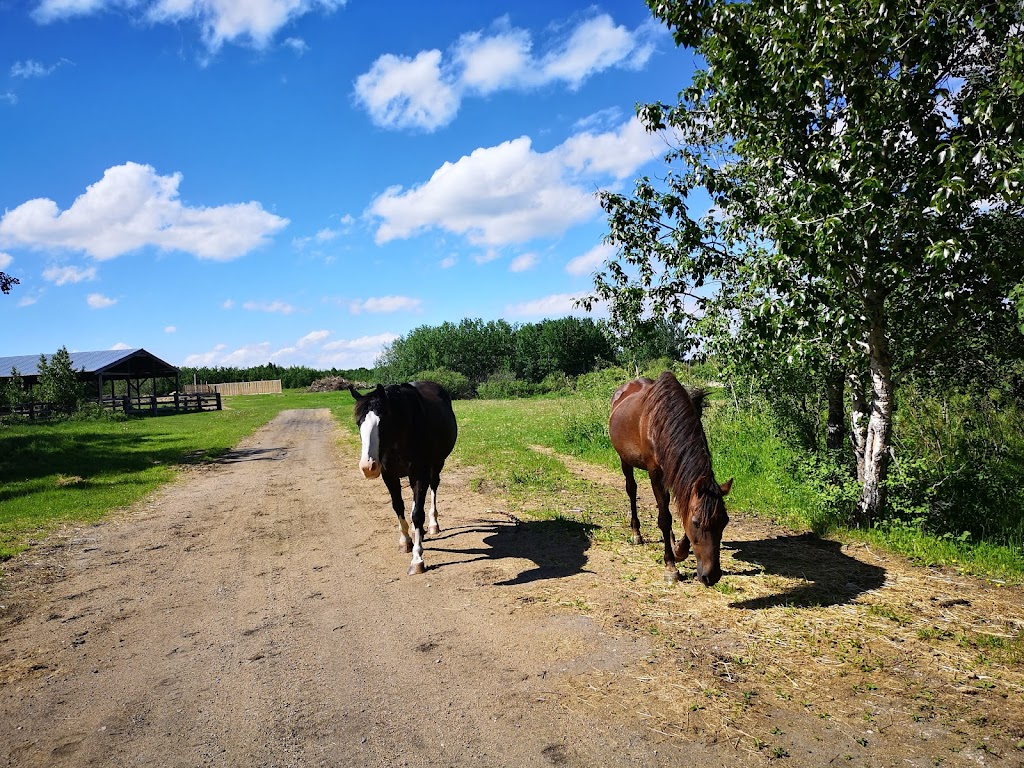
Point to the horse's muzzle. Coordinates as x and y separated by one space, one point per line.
370 468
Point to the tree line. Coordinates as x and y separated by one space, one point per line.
292 376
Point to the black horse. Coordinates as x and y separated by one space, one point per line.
407 430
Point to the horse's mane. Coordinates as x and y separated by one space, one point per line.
681 446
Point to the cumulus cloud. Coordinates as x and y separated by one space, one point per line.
555 305
251 22
309 351
278 307
171 329
121 345
400 92
385 304
523 262
99 301
590 261
425 91
5 260
133 207
68 275
510 193
448 262
313 337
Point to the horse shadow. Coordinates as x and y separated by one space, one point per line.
832 577
556 547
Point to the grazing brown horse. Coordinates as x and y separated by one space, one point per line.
655 426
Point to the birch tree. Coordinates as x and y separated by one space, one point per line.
853 151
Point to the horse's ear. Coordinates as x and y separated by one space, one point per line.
726 486
379 390
355 393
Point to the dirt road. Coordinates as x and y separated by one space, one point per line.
257 613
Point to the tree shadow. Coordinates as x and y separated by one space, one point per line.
834 578
557 547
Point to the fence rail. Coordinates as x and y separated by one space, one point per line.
145 405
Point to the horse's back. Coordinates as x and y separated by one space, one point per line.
440 415
625 420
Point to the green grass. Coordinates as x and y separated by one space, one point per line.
77 471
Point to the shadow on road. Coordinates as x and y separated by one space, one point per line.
832 577
557 548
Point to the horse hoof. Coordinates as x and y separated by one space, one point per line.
433 530
417 568
637 539
405 546
672 576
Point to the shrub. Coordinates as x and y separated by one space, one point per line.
556 383
504 386
458 385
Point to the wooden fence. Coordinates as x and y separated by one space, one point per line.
272 387
180 402
145 405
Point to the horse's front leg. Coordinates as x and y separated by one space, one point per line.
665 524
394 486
634 521
419 497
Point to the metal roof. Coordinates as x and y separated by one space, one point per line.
119 363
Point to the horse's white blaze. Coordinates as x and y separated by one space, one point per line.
369 431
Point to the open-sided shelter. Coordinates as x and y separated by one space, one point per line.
134 366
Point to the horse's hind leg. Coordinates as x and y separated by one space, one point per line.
634 521
665 523
432 526
394 486
419 497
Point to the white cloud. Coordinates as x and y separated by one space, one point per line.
278 307
426 90
228 304
386 304
510 194
99 301
297 44
133 207
486 257
618 153
121 345
9 97
400 92
590 261
171 329
555 305
30 68
448 262
313 337
595 45
354 353
5 260
496 195
491 63
28 300
253 22
205 359
523 262
70 274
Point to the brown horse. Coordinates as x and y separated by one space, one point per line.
655 426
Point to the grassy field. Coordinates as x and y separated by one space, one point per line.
76 471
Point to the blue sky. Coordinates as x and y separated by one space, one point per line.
232 182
